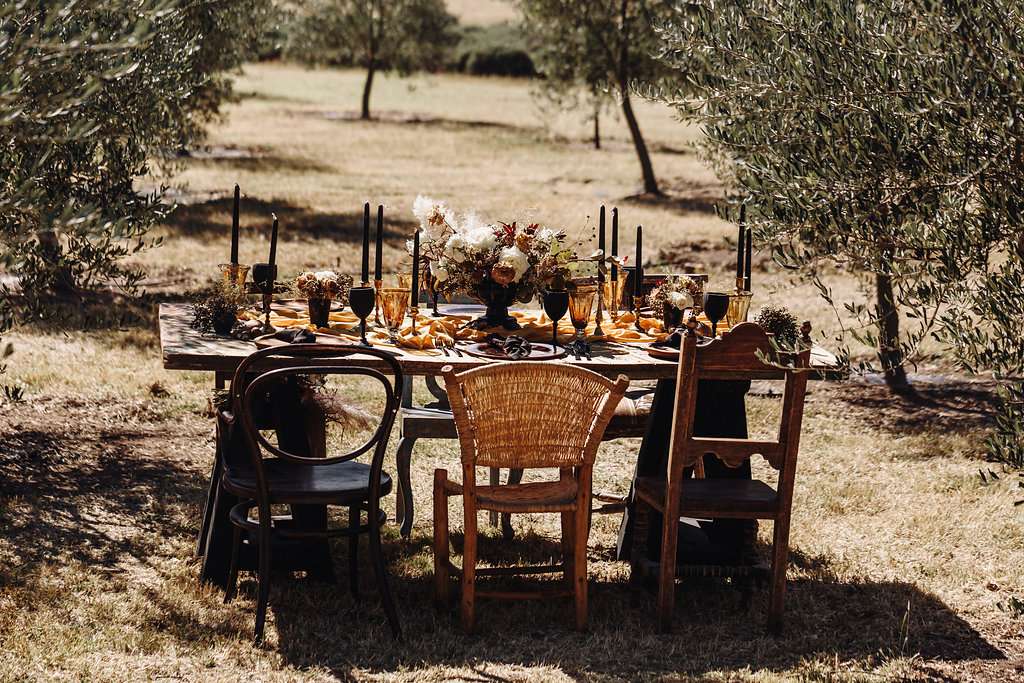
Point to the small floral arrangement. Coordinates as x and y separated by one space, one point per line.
465 252
777 320
675 291
216 309
323 284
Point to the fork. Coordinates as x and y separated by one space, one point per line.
453 347
443 345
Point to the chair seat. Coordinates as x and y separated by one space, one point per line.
741 498
293 483
546 496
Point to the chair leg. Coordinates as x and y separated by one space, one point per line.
236 544
777 587
568 550
469 571
403 494
667 570
263 589
373 515
442 580
579 563
507 532
353 550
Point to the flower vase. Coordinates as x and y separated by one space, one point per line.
672 317
319 312
497 298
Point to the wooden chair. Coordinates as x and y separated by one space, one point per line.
733 357
276 474
523 415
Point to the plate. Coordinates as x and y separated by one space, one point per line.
537 351
300 305
268 340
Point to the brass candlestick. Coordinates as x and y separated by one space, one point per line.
377 284
638 301
268 299
598 332
413 312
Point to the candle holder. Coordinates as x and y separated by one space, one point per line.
741 283
377 284
638 303
234 273
264 275
598 332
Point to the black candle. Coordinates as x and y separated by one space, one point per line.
600 245
615 242
380 240
365 273
638 272
234 228
416 268
739 242
750 242
273 245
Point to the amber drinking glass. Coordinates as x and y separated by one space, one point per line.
581 304
394 302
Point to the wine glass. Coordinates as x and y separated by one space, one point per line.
716 304
556 303
581 303
361 300
394 302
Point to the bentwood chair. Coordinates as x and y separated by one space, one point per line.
532 416
319 472
736 356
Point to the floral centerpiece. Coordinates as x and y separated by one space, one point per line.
320 288
495 263
670 298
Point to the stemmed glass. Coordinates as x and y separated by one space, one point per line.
556 303
430 282
361 300
716 304
581 303
394 302
264 275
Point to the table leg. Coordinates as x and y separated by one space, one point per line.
403 493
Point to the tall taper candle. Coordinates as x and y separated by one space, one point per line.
365 272
234 227
739 241
638 272
380 242
600 245
750 242
615 242
273 246
415 268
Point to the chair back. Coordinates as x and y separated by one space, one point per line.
740 354
276 388
531 414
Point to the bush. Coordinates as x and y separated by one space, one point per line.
497 50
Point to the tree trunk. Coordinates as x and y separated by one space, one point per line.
889 353
650 184
597 128
365 112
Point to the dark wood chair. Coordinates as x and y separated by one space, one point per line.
276 474
677 494
524 416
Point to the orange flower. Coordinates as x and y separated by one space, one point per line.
503 273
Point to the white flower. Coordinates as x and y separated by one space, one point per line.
546 236
439 271
679 300
481 238
324 275
514 257
455 248
433 216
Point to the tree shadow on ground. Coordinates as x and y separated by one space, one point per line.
212 219
859 621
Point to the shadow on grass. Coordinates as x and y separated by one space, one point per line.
212 220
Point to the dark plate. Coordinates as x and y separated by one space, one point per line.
301 305
537 351
268 340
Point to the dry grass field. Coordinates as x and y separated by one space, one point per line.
903 558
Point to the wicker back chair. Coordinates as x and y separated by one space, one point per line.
733 357
523 415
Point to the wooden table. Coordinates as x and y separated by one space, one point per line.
185 348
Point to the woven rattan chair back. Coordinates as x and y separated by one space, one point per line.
528 414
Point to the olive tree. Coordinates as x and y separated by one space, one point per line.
600 48
856 134
378 35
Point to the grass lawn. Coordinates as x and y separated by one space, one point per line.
903 558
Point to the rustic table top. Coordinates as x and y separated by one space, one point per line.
185 348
